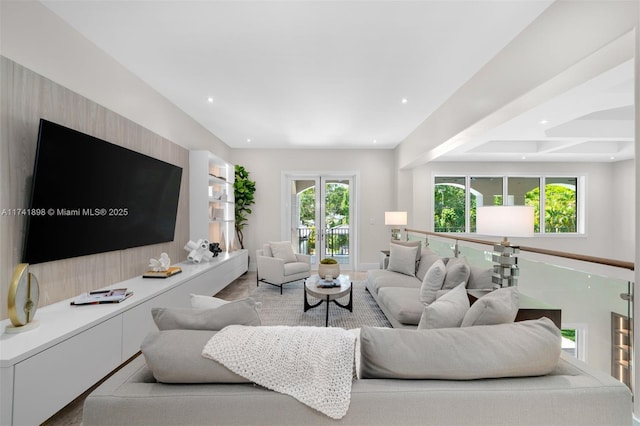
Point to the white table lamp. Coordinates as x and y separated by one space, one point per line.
505 221
395 219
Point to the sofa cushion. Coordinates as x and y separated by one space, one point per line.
527 348
498 307
206 302
433 281
175 356
427 258
403 259
283 250
480 278
266 250
380 278
447 311
242 312
402 303
457 271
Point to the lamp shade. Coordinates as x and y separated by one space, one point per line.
395 218
505 221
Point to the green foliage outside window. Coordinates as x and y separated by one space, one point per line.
560 208
337 214
448 208
560 214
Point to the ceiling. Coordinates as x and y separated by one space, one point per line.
347 74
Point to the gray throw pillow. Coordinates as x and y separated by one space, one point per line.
480 278
199 301
432 282
410 244
446 311
241 312
498 307
402 259
527 348
458 271
427 258
175 356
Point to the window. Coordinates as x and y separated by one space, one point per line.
555 200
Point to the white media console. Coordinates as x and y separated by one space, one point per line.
74 347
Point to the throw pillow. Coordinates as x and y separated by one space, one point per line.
519 349
447 311
242 312
266 250
480 278
410 244
175 356
402 259
457 271
283 250
498 307
206 302
427 257
433 280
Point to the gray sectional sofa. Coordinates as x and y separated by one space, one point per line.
571 393
509 373
398 293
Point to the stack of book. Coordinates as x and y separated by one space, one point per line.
102 296
172 270
328 284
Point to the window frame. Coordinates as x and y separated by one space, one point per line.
580 198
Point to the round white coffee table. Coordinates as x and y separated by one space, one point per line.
312 287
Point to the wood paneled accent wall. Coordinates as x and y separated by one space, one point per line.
25 97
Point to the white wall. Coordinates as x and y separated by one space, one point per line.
623 211
603 192
376 192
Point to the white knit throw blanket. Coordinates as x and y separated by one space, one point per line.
312 364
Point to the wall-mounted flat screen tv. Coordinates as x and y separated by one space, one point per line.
90 196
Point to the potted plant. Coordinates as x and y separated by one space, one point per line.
243 189
328 267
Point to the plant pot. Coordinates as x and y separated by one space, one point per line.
329 269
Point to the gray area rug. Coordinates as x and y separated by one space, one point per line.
288 308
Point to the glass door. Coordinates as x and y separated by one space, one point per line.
321 217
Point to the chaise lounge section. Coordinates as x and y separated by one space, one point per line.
570 393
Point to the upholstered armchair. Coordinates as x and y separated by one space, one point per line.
277 264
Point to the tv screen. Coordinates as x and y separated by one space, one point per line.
90 196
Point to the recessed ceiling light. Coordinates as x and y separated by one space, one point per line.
248 140
404 100
210 99
544 121
523 157
612 158
375 141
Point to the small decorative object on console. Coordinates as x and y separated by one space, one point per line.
161 264
198 251
215 249
171 271
24 294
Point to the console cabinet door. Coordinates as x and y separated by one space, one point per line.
54 377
